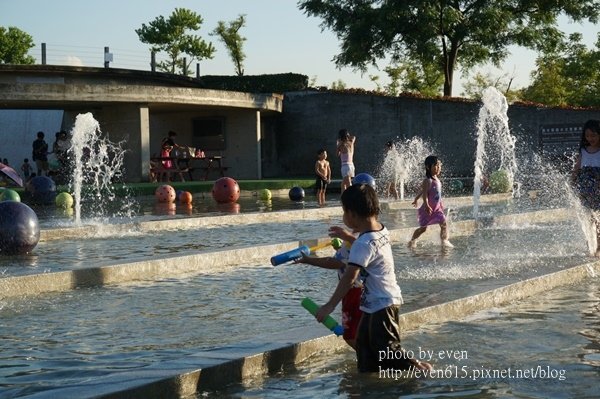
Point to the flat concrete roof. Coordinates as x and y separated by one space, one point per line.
64 87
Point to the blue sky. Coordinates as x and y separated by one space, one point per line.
280 38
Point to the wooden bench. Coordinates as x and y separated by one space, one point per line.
159 173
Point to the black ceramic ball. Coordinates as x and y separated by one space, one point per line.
19 228
296 193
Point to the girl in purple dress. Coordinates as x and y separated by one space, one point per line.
432 210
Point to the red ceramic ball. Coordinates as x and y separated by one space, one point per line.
185 197
226 190
165 209
165 194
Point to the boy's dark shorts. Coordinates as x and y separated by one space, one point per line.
379 333
351 312
320 183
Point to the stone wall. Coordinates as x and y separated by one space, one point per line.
311 120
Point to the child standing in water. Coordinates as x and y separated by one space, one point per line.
26 168
345 150
586 173
432 210
323 171
390 165
371 258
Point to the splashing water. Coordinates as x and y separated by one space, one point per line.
495 144
552 187
97 166
403 164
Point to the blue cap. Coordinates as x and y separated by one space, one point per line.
338 330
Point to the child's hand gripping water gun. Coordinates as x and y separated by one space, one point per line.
329 321
303 250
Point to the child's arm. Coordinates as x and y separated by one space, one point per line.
328 172
416 200
424 190
341 290
325 263
341 233
318 169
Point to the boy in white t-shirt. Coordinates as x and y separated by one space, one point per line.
371 258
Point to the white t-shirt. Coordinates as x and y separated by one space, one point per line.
590 159
372 252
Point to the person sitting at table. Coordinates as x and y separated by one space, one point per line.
165 152
170 140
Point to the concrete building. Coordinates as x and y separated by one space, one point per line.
136 107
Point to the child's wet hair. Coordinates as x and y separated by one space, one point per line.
361 199
343 134
594 126
321 150
429 162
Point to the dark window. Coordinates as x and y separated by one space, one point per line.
208 133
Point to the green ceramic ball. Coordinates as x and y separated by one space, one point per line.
64 200
500 182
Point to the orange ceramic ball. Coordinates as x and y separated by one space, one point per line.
165 194
226 190
185 197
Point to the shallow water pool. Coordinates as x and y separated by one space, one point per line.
543 347
54 340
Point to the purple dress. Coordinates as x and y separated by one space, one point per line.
434 197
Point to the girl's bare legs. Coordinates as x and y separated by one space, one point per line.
416 235
391 190
346 182
444 235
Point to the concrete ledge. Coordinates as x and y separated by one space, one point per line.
449 202
461 307
95 231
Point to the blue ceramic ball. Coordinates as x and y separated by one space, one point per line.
296 193
42 190
364 178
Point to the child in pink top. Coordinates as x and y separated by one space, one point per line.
432 210
586 176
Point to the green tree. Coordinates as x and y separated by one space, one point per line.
549 85
566 75
171 36
14 45
230 36
339 85
446 33
418 77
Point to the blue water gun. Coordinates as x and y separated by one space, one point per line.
297 253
